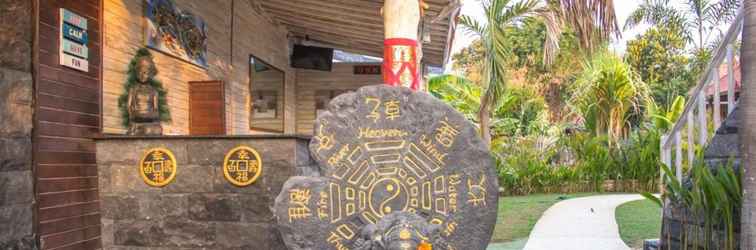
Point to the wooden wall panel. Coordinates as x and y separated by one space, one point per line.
67 117
207 108
251 34
309 82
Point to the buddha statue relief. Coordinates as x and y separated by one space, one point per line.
400 231
142 104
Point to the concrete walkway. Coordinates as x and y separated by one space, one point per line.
581 223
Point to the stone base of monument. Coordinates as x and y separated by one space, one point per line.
145 128
398 170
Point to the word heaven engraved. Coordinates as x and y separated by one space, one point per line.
158 167
386 155
242 166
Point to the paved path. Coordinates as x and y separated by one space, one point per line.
571 224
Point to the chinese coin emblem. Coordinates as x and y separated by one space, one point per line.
158 167
242 166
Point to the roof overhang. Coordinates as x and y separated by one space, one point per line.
357 26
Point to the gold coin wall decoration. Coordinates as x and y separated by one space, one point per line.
242 166
158 167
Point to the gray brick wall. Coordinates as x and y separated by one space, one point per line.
199 209
16 85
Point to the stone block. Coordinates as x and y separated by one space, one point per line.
106 232
278 172
16 221
15 153
16 187
247 236
169 233
104 179
723 146
126 179
303 154
256 208
25 243
16 34
130 152
15 102
191 179
212 152
163 206
119 207
214 207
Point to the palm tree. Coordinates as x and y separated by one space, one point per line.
748 104
698 22
593 20
608 96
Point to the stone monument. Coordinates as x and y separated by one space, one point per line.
142 104
398 170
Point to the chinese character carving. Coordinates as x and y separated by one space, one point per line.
242 166
158 167
298 200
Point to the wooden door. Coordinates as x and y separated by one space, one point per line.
207 108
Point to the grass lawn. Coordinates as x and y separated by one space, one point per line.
518 214
638 220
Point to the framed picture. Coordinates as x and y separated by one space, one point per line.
264 104
175 32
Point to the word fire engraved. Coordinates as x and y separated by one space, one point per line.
242 166
381 165
158 167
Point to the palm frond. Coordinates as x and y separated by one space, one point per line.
594 21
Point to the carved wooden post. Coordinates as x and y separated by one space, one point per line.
400 65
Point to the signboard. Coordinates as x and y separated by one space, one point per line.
73 41
367 69
74 62
73 19
75 34
75 49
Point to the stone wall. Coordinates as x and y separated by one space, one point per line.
199 209
678 220
16 85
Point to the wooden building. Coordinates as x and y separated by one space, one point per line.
52 110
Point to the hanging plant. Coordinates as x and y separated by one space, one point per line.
131 81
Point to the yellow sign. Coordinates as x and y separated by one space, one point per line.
242 166
158 167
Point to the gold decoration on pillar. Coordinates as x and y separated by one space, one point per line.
242 166
158 167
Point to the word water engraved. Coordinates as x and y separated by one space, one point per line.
158 167
387 155
242 166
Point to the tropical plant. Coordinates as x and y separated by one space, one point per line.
714 194
697 23
609 96
592 20
499 15
659 58
457 91
664 118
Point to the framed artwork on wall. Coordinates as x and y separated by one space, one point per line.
176 32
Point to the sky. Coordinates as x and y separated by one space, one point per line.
623 8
